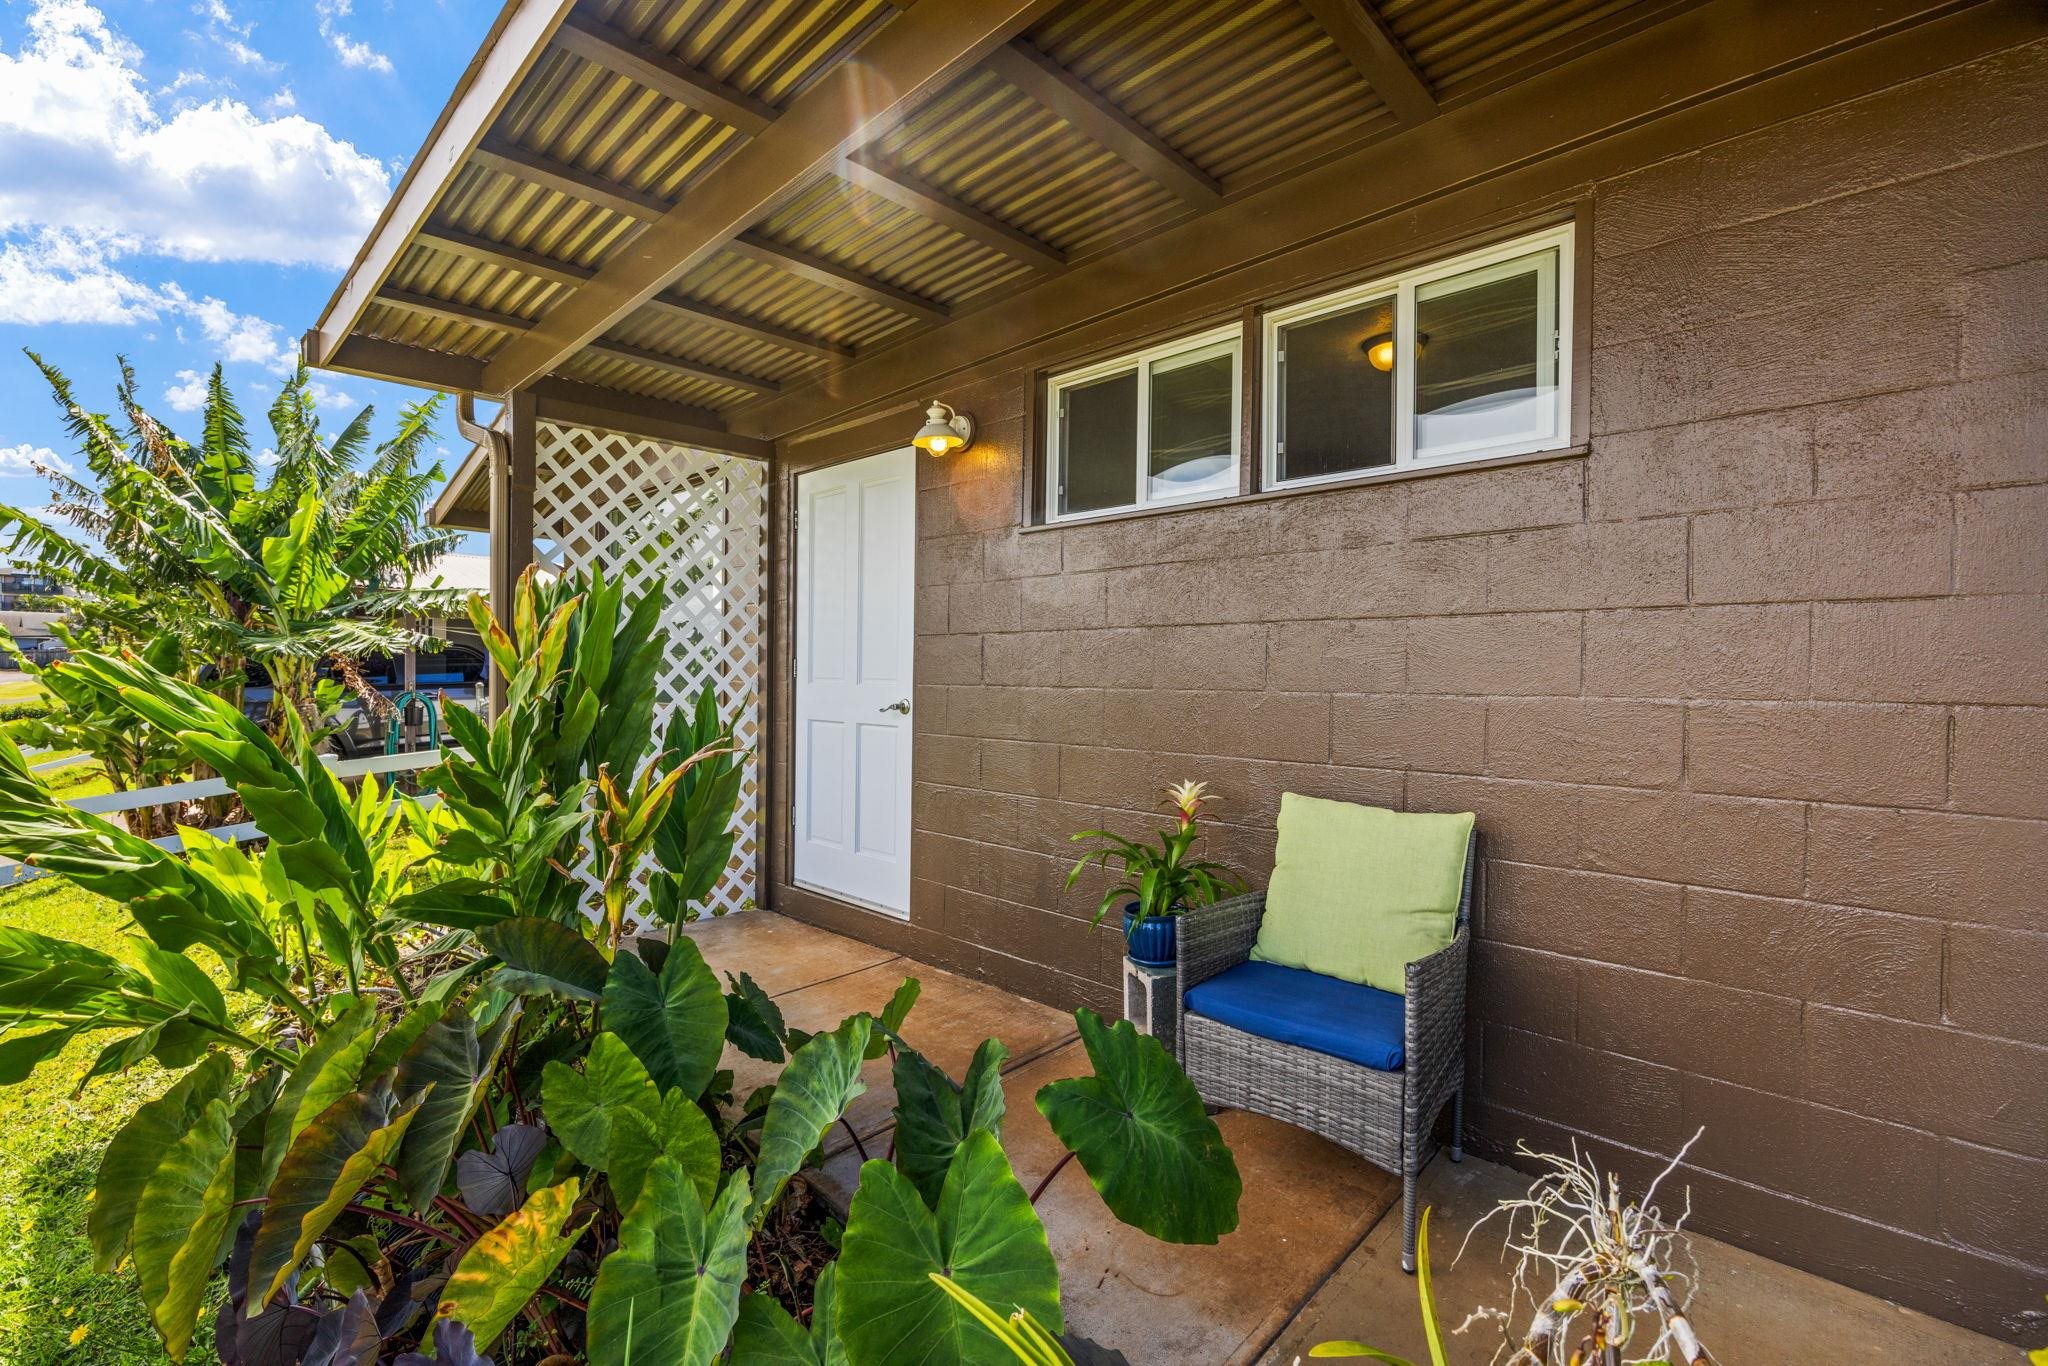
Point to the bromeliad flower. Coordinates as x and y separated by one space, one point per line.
1187 797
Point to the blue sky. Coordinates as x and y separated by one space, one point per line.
183 181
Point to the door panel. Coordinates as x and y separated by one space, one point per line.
856 539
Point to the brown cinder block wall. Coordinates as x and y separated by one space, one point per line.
1750 695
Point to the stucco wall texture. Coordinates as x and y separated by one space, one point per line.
1750 696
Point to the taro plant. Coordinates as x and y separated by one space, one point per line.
455 1106
1158 881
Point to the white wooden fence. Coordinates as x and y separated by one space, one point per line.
111 803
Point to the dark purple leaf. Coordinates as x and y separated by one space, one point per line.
494 1183
347 1337
453 1346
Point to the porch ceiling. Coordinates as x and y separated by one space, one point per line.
694 206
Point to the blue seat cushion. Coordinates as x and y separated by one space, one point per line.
1357 1023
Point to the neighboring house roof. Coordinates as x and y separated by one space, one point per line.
459 569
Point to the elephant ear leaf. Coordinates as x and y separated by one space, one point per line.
984 1236
673 1127
671 1291
753 1020
182 1221
137 1150
584 1107
508 1264
890 1023
1144 1138
493 1183
454 1345
821 1080
331 1063
545 956
674 1022
448 1057
767 1336
325 1167
934 1115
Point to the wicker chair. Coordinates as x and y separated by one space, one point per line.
1388 1118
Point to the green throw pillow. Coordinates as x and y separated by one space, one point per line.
1359 892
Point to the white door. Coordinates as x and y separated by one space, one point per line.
856 532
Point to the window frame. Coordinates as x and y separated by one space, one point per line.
1191 349
1402 286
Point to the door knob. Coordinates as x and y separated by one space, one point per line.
901 708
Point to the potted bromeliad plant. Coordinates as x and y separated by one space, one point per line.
1158 882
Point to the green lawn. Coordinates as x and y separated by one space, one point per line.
19 688
50 1144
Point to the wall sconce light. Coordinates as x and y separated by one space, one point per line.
944 432
1379 348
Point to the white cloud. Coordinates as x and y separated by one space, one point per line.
25 459
83 140
347 50
232 38
70 277
266 459
326 397
188 395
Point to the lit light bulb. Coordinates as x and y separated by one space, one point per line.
1381 354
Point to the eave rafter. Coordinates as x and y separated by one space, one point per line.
1101 121
828 130
913 57
662 73
1369 45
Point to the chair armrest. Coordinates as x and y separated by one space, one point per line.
1218 936
1435 1023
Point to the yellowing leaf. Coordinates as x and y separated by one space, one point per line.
507 1266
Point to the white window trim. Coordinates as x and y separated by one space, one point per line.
1402 287
1220 341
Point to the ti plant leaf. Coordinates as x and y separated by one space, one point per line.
508 1264
137 1150
181 1222
934 1115
1144 1138
984 1235
675 1022
325 1167
753 1020
767 1336
821 1080
546 956
671 1291
893 1015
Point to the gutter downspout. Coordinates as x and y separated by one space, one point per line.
498 472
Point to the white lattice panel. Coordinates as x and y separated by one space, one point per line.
692 526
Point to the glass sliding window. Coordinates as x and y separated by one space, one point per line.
1191 437
1156 427
1461 360
1486 366
1098 426
1336 409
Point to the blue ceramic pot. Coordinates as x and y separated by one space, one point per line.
1153 943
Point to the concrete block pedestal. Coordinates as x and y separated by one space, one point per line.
1149 999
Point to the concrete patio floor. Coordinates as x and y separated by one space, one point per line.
1316 1253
